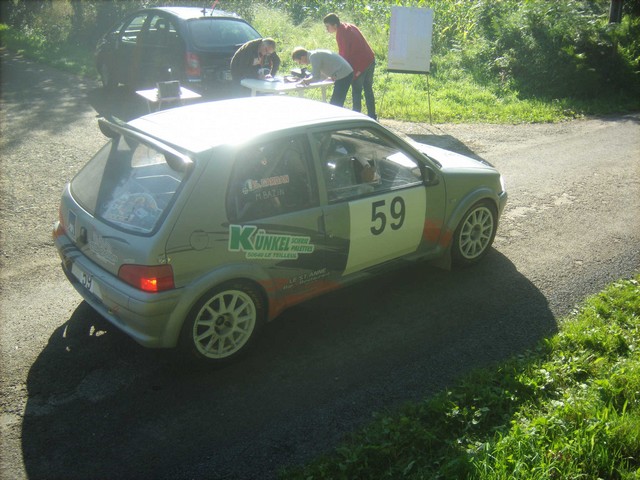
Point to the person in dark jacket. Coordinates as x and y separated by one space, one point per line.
255 59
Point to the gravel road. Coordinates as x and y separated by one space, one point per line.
80 400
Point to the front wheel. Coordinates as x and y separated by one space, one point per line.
475 233
224 323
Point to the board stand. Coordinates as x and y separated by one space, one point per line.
384 91
429 99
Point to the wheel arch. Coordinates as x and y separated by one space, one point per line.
104 61
469 201
253 275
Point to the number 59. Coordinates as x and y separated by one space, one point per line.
379 215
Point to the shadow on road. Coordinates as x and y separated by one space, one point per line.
100 406
122 103
126 105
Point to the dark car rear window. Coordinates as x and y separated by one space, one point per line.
128 184
220 32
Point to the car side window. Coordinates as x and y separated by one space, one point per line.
270 179
359 162
133 30
162 32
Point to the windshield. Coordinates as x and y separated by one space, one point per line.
128 184
220 32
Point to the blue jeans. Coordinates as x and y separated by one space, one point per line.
340 90
365 81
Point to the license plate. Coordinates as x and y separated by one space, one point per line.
86 280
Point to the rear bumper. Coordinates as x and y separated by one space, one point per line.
151 319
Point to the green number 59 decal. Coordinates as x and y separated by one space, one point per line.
379 212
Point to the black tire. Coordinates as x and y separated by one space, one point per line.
475 233
109 82
224 324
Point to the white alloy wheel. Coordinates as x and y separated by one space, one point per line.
224 323
475 234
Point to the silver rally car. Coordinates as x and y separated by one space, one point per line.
194 226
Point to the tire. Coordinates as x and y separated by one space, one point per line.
109 83
224 324
475 233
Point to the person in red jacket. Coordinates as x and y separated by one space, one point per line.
353 47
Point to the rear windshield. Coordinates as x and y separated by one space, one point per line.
220 32
128 184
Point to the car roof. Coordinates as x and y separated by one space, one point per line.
187 13
202 126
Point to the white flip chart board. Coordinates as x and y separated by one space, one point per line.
411 32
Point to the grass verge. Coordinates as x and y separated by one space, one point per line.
570 408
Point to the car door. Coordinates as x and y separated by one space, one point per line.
129 54
161 51
275 215
376 201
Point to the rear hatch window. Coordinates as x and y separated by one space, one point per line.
129 184
216 33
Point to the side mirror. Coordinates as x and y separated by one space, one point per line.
430 176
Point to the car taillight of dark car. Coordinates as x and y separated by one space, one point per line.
192 62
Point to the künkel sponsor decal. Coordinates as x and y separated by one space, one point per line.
258 244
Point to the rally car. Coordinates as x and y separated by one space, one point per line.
194 226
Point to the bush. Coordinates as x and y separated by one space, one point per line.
557 49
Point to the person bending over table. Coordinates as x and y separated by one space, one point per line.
326 64
255 59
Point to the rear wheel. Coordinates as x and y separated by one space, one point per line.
106 76
224 324
475 233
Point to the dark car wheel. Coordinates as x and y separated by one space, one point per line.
224 323
106 76
475 233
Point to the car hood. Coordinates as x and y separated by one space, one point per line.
451 160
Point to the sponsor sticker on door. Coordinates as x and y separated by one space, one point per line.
258 244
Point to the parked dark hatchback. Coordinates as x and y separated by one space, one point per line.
189 44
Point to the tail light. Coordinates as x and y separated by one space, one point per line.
155 278
193 65
59 225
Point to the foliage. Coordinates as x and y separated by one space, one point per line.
568 409
498 61
556 49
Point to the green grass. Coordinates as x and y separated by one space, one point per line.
462 86
568 409
70 58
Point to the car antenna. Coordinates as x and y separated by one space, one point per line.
213 7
